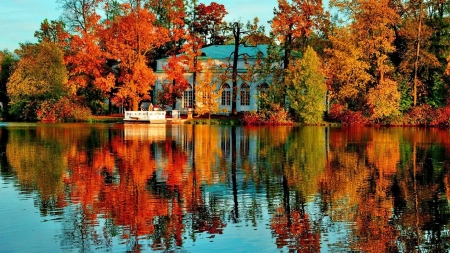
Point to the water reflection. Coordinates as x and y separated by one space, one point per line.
174 187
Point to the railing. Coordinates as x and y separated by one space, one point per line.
147 116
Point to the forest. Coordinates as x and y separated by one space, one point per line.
354 62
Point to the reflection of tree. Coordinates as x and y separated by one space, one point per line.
423 212
298 162
119 181
357 183
387 181
207 153
388 186
4 164
203 210
39 164
293 229
306 156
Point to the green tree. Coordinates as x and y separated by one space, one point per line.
40 75
306 88
7 63
293 23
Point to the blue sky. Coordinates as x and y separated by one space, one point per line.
19 19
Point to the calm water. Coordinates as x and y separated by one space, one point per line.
184 188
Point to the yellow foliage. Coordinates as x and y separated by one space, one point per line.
208 91
384 100
40 74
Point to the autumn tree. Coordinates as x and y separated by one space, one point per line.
384 101
187 61
306 88
40 75
292 24
53 31
91 76
175 82
208 91
437 19
77 14
239 36
372 24
348 75
414 57
170 14
209 22
256 34
128 39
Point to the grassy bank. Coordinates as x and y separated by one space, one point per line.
215 120
116 118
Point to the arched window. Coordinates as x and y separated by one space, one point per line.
245 94
263 88
226 94
188 96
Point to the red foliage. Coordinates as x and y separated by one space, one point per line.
209 18
420 115
62 110
347 117
442 117
276 115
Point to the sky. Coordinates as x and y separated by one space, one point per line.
19 19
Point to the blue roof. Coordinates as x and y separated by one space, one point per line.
225 51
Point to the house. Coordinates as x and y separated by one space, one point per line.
247 94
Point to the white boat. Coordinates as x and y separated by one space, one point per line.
153 117
147 114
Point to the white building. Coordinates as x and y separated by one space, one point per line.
247 94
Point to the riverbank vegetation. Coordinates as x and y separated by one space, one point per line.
362 62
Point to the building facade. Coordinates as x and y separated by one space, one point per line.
248 91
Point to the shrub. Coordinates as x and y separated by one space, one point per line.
63 110
421 115
442 117
252 118
275 115
347 117
23 110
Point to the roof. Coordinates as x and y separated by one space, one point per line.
225 51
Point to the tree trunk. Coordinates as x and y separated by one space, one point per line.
416 62
236 33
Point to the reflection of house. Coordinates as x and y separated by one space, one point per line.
247 93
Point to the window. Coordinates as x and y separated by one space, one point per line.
188 97
263 90
226 94
245 94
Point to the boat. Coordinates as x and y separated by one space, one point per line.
153 117
147 114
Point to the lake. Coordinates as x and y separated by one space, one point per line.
200 188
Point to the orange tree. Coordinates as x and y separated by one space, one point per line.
127 40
